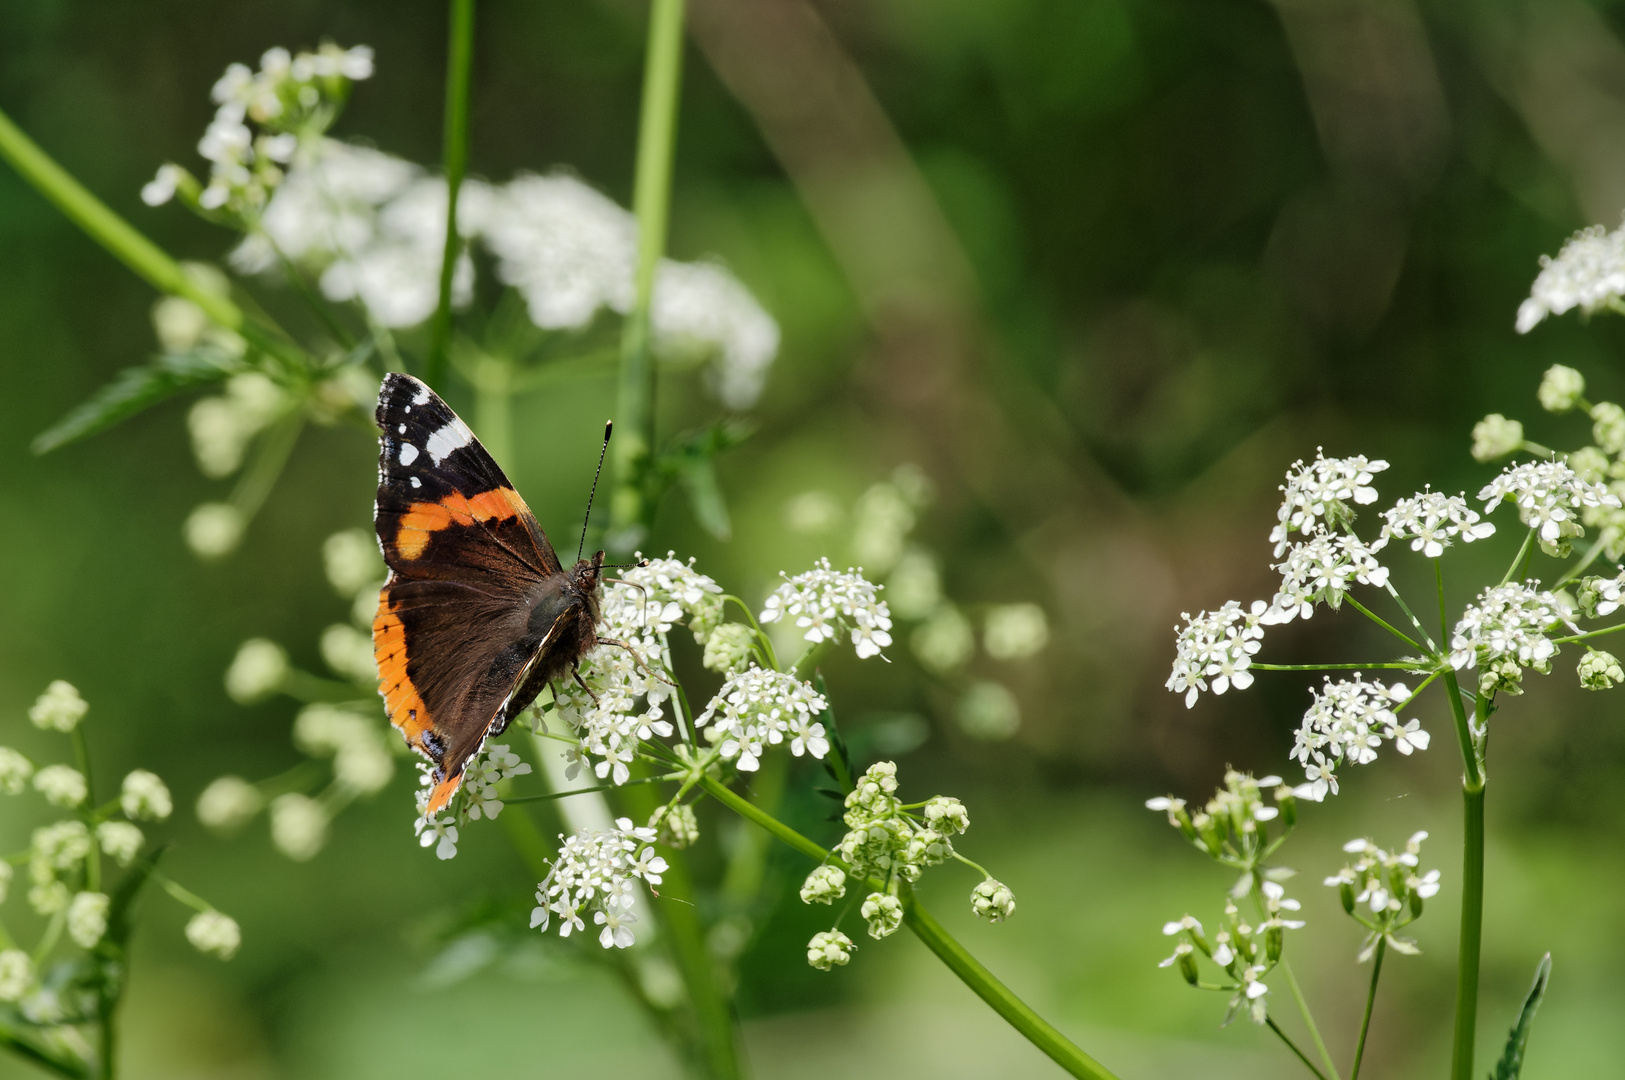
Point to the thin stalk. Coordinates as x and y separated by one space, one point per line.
1589 634
1444 620
269 459
1016 1012
1523 555
459 61
1370 999
81 756
1309 1020
1580 567
631 507
1333 667
122 241
1384 623
1290 1045
1411 615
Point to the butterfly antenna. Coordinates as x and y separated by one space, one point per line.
609 425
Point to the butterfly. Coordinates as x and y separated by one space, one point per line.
478 614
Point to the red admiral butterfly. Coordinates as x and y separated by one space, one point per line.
478 615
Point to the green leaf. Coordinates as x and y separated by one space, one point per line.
699 477
24 1040
135 389
1511 1063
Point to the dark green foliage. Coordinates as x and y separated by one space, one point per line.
135 389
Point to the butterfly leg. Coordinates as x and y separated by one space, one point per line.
575 673
637 658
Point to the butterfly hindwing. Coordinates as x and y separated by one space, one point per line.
474 586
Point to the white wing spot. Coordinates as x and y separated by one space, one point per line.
416 482
409 453
401 430
447 439
409 408
421 396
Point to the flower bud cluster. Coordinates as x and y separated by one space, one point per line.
1550 497
823 602
677 826
1384 892
1505 631
594 873
1233 828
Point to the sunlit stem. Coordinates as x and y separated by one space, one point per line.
970 971
1380 621
1524 553
1308 1021
1370 999
1411 615
631 503
459 57
1472 885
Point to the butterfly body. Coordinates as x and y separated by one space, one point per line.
478 615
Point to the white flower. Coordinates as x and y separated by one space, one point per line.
1217 646
1387 885
59 847
1495 436
161 188
298 826
87 918
823 601
213 530
1587 273
228 803
883 913
595 871
825 885
992 900
1430 519
828 949
120 839
1322 569
1015 631
1549 496
1347 723
214 932
700 309
16 975
757 708
145 796
989 711
439 832
60 708
1508 623
14 771
1561 388
1317 495
62 785
352 562
256 671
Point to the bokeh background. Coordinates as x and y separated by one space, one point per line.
1103 269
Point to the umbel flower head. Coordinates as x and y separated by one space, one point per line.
823 602
1319 495
1348 722
1430 520
1549 496
594 875
1505 631
757 708
1384 892
1246 953
1216 648
1587 274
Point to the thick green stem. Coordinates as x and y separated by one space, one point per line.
631 505
1370 999
1016 1012
1472 932
459 56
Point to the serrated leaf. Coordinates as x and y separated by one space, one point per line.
133 390
1511 1064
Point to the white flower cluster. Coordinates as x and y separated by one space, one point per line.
756 709
1233 827
1504 631
631 692
1430 520
1215 649
60 708
1318 495
1549 496
594 873
1245 952
1587 274
1322 569
477 798
1384 892
824 602
291 99
1347 723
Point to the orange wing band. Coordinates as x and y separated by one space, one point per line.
422 519
401 700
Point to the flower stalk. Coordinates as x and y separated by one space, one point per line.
459 61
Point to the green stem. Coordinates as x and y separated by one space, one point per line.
1309 1019
1384 623
1333 667
459 57
1589 634
271 455
1370 999
631 505
93 861
1524 553
1290 1045
1472 930
1580 567
1411 615
53 1059
1016 1012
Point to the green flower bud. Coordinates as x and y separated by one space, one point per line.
1600 670
1495 436
1608 426
1560 389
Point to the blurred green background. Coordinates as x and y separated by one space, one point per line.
1103 268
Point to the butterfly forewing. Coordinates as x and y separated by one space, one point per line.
456 624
